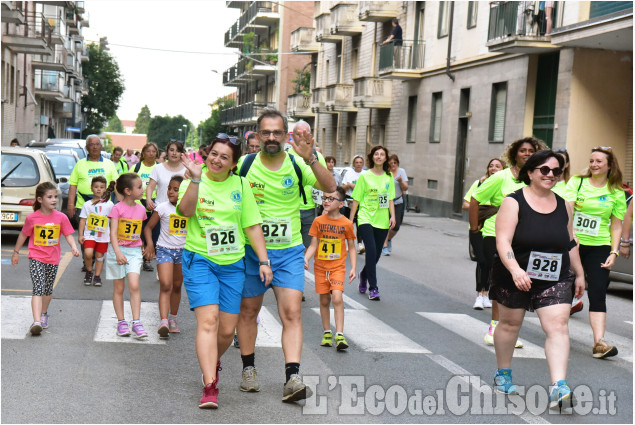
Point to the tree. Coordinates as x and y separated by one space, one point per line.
114 125
213 125
162 129
105 88
143 121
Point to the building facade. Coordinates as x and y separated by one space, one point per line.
467 79
42 82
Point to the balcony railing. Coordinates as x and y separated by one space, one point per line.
58 29
323 30
13 12
378 11
339 97
344 20
405 56
64 110
299 105
49 81
247 113
321 7
318 99
34 37
507 19
303 40
371 92
232 36
54 62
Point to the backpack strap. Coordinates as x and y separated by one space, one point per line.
298 172
249 160
137 167
244 167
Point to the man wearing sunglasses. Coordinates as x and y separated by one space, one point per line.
274 182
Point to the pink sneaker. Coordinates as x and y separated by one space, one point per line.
164 330
174 328
123 329
138 330
210 397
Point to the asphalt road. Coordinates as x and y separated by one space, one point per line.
416 356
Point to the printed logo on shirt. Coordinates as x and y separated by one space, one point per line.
257 185
202 200
387 186
287 181
602 199
236 196
96 171
372 190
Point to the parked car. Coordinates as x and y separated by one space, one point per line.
622 270
63 162
22 170
56 144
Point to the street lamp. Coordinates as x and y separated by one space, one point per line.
186 130
180 133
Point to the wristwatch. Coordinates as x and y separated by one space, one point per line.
265 263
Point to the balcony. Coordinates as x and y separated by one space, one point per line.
378 11
323 30
58 30
318 99
244 114
55 62
299 105
49 85
402 62
236 4
64 110
370 92
609 27
303 41
339 98
84 56
80 6
12 12
34 37
344 19
232 37
84 18
259 16
507 35
73 22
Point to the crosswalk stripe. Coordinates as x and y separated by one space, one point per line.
269 330
16 316
582 332
371 334
347 300
474 330
107 326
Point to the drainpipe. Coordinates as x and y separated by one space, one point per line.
374 54
447 67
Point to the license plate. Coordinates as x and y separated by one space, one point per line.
9 216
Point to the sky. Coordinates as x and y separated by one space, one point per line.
169 83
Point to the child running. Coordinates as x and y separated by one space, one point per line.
124 252
329 232
94 229
43 227
168 252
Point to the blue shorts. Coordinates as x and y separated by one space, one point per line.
116 271
168 255
287 266
208 283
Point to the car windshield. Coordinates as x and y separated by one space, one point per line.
62 164
25 173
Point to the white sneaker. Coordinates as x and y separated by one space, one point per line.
486 302
360 248
478 304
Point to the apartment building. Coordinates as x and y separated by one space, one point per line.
265 68
467 79
42 82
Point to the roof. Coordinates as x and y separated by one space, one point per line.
128 141
128 123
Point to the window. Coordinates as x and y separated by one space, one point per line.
497 112
411 131
472 9
444 19
435 122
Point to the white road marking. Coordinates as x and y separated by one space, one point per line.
16 316
347 300
371 334
630 322
107 326
582 332
474 330
269 330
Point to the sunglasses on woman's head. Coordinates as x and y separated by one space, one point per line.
603 148
233 140
544 170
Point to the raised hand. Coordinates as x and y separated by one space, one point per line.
195 170
302 142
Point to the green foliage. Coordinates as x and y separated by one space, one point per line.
209 128
114 125
248 42
143 121
105 88
162 129
305 82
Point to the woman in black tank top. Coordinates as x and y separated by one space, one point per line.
536 252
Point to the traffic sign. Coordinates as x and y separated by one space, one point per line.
73 129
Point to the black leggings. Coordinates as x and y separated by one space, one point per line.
489 251
482 272
399 212
373 239
597 278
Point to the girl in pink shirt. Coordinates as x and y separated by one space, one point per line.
43 227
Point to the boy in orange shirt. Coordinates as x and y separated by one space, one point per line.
330 232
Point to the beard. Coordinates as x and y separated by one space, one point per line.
271 148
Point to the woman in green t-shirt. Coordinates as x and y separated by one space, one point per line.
600 204
374 194
220 207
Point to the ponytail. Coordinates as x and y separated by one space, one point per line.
110 190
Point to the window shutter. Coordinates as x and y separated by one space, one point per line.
499 117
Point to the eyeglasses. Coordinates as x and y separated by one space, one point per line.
331 199
266 133
233 140
544 170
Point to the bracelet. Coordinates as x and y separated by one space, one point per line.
626 240
16 252
617 254
196 181
312 162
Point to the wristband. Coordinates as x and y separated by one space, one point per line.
626 240
265 263
195 181
16 252
617 254
312 162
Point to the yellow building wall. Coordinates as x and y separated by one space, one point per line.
601 106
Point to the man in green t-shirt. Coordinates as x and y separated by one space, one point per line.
274 183
120 164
